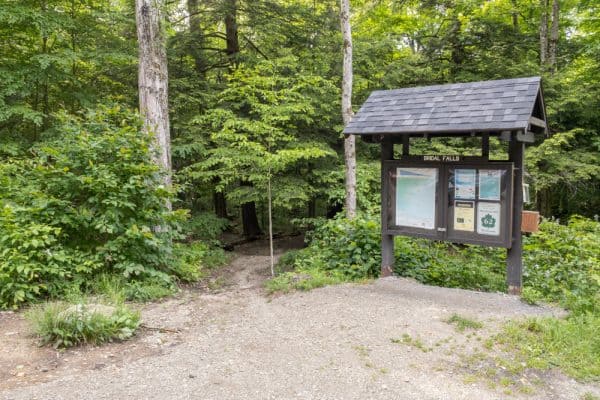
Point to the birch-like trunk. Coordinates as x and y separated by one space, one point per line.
153 81
543 32
554 31
349 141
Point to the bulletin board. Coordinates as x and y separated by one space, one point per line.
460 202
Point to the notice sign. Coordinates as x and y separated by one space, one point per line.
489 184
415 197
464 216
464 183
488 219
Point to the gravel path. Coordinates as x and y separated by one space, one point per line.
330 343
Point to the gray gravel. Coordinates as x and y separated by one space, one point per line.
330 343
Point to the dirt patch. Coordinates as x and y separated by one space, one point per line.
389 339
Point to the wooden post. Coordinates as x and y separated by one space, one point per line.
485 145
387 241
514 255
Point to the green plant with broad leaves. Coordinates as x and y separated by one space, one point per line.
89 201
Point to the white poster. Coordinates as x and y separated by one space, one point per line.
488 219
464 216
415 197
464 184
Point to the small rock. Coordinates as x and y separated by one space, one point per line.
406 380
191 376
44 369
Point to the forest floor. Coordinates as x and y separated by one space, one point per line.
226 339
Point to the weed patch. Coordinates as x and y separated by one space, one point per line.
572 344
463 323
65 325
410 341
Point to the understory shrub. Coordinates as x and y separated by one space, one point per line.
561 262
89 202
450 265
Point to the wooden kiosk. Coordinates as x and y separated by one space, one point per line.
461 199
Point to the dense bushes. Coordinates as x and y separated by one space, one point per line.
561 262
85 203
340 250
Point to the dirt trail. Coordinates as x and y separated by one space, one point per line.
384 340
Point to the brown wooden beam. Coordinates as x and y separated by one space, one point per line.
387 241
537 122
514 255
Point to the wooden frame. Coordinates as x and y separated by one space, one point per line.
443 229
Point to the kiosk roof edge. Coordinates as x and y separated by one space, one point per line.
453 109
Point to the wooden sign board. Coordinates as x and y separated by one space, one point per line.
451 200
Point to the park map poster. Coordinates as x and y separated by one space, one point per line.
415 197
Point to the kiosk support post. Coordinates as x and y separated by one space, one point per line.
387 241
514 255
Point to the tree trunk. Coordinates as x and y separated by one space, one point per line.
349 141
220 204
249 217
197 36
515 15
543 32
554 31
312 208
231 32
153 81
250 221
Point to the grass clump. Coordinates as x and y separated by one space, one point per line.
304 280
463 323
64 325
572 344
410 341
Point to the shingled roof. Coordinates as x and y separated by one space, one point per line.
457 108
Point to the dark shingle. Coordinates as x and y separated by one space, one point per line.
459 107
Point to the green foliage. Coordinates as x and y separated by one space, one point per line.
88 202
463 323
205 226
572 344
265 124
349 247
66 325
449 265
148 289
339 251
193 260
562 264
303 279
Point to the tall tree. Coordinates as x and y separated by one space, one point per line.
554 31
543 32
153 80
349 141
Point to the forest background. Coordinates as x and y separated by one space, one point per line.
254 96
